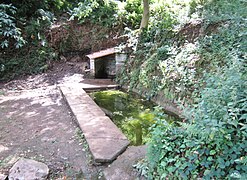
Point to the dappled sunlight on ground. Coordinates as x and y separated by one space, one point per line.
37 124
75 78
3 148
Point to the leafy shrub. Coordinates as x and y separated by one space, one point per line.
84 10
172 62
97 11
109 13
36 28
58 6
130 14
33 57
29 60
9 32
28 8
213 144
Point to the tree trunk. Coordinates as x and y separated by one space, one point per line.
145 16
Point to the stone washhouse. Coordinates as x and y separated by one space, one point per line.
106 63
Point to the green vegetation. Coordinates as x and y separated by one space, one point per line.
128 113
8 30
109 13
193 52
213 143
184 40
95 11
27 52
132 115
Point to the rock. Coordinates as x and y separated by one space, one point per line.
84 66
76 59
3 177
122 168
63 58
27 169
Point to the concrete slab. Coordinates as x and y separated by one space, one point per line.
100 87
104 138
106 149
122 168
90 85
101 127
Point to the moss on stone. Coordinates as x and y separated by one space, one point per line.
134 116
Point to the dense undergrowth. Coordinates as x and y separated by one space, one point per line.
24 45
193 53
213 143
185 40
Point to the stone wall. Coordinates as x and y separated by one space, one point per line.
120 60
169 107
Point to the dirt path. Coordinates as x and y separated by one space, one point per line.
36 123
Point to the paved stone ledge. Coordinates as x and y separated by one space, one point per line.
101 87
123 166
105 140
98 84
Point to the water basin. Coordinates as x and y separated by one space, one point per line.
133 115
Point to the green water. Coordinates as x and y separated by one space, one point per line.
134 116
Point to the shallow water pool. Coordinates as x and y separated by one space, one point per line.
133 115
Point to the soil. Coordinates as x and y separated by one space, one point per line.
36 123
56 74
83 38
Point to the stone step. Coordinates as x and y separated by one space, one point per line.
104 138
122 167
100 88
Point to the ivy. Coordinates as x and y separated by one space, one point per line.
211 145
207 73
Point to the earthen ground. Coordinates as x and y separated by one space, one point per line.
36 123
